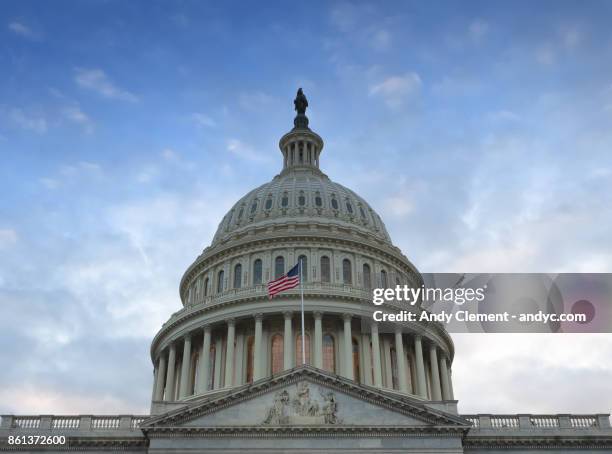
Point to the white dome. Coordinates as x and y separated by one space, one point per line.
301 194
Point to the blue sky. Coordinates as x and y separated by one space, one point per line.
480 131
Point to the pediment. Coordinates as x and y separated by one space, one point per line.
305 397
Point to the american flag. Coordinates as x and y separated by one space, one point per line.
285 282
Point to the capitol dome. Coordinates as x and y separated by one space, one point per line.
230 334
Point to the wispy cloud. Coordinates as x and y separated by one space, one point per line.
97 81
29 121
23 30
203 120
245 151
8 237
396 89
74 114
478 29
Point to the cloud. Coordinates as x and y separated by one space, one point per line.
76 115
8 237
22 30
381 40
545 55
97 81
245 151
30 122
396 89
203 120
478 29
255 100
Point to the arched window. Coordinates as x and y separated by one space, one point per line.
318 200
349 207
269 203
347 275
254 206
250 358
298 349
303 261
329 353
279 267
238 276
257 272
383 279
285 200
220 282
325 271
356 368
302 199
367 277
363 215
277 353
206 283
334 203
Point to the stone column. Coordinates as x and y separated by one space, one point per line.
161 372
288 342
318 340
367 359
420 367
258 370
436 393
185 367
348 347
400 359
376 356
450 380
446 394
204 375
218 363
229 354
170 375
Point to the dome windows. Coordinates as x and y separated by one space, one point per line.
334 202
325 269
383 279
269 203
285 200
349 207
318 200
238 276
367 276
257 272
363 214
279 266
301 199
254 207
347 275
220 282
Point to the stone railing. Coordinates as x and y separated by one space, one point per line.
81 423
524 422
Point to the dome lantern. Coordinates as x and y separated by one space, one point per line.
301 147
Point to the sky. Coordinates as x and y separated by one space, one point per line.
480 131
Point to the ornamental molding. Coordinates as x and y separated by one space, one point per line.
539 442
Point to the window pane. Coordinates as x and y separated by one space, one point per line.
220 282
367 278
329 353
325 271
277 354
347 276
257 275
238 276
279 267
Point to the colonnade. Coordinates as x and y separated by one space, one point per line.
419 367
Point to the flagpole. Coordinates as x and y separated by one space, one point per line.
302 295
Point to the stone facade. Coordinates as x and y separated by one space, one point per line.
228 371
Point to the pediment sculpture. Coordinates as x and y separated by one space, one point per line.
302 408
